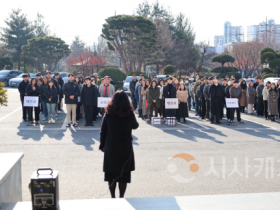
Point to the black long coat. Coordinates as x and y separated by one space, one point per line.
216 94
116 139
89 95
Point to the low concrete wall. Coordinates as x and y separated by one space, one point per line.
10 177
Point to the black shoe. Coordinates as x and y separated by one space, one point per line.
211 122
178 120
86 124
68 125
139 116
91 124
75 125
240 122
185 120
218 123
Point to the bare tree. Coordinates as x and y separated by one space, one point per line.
247 57
205 56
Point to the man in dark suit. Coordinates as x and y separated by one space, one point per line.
169 91
216 94
21 90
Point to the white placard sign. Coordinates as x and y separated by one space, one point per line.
156 121
171 103
102 101
232 103
31 101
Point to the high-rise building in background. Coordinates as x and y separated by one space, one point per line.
218 41
231 34
264 32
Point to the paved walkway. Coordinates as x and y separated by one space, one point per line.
253 201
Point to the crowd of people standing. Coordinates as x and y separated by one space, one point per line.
207 96
80 97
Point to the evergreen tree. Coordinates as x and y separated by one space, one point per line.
16 34
223 71
77 47
46 50
40 28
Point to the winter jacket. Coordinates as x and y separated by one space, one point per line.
227 91
251 93
110 92
71 89
116 140
137 93
153 94
30 92
43 88
169 91
22 88
51 93
206 91
265 93
132 86
89 95
184 94
235 92
260 90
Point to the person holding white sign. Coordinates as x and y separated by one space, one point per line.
32 89
169 91
235 92
106 90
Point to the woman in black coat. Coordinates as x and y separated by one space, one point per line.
33 89
116 142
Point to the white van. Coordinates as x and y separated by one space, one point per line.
272 80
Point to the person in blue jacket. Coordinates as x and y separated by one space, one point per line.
137 96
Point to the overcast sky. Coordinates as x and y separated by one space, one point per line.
70 18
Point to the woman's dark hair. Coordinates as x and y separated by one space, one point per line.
275 88
32 81
146 84
50 81
119 105
151 85
243 85
180 87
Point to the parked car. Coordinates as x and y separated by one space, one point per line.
272 80
161 77
15 81
63 74
6 75
249 79
126 84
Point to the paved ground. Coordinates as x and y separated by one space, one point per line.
252 149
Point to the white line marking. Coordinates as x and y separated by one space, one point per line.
203 126
259 123
10 113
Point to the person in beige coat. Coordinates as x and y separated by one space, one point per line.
265 99
182 96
